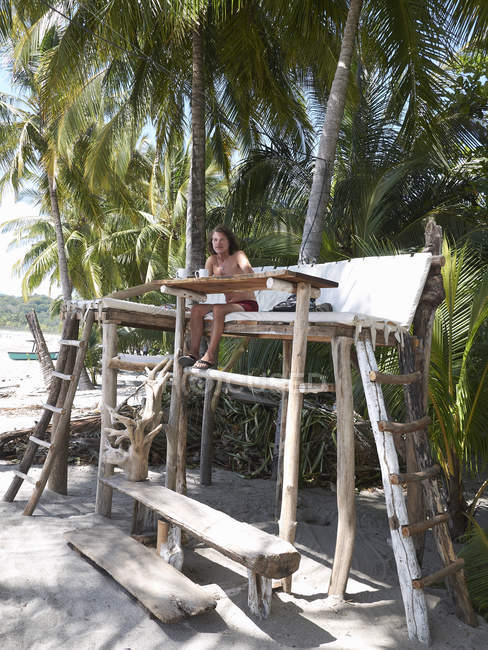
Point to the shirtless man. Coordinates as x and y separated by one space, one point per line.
225 259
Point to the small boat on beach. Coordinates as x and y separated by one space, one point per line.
29 356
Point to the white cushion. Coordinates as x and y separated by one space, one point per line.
387 287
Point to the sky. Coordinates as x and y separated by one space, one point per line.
11 284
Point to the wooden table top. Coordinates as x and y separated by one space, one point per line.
245 281
225 283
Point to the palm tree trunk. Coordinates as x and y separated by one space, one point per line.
58 227
324 164
195 239
43 355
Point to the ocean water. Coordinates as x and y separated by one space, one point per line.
26 372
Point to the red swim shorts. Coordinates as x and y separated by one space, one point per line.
248 305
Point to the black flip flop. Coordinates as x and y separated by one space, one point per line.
187 361
203 365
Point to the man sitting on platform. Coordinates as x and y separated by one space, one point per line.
226 259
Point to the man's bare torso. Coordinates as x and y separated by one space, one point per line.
231 266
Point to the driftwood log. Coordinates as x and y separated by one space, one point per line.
138 431
47 366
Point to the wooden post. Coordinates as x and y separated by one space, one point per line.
286 366
206 446
346 526
182 434
423 324
287 523
176 395
103 505
171 550
43 355
259 594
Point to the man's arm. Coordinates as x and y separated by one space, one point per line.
243 263
209 265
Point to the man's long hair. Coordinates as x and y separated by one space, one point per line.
233 243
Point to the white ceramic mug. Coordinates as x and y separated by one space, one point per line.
202 273
181 273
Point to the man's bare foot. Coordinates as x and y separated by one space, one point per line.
201 364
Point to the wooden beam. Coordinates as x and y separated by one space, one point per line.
103 504
139 364
259 594
255 549
268 383
206 447
275 284
454 567
176 395
39 442
138 290
182 437
161 589
431 472
412 529
164 322
404 427
346 525
396 380
287 523
286 367
183 293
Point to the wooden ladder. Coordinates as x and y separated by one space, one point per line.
59 402
409 573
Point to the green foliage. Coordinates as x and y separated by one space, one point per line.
475 554
14 309
459 364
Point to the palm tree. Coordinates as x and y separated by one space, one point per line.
458 385
411 43
122 237
324 164
251 89
28 141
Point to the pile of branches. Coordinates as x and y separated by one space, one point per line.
244 440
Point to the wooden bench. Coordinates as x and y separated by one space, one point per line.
265 556
164 591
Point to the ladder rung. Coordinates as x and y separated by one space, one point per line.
54 409
431 472
412 529
25 477
41 443
73 342
407 427
382 378
455 566
60 375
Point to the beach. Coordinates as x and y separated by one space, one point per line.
26 374
51 598
22 391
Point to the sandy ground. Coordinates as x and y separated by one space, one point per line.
52 598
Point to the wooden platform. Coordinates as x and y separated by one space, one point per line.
245 281
164 591
262 553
